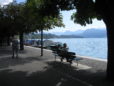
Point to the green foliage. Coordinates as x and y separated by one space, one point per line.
12 18
85 9
85 12
41 19
26 17
51 7
44 14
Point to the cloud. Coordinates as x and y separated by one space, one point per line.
70 26
4 2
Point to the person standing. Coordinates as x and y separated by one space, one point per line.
15 48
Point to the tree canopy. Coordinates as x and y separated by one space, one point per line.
85 9
26 17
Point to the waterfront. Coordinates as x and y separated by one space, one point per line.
92 47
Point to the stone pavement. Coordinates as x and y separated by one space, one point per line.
31 69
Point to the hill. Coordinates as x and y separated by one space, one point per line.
94 33
89 33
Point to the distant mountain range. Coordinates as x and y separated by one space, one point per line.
89 33
94 33
69 32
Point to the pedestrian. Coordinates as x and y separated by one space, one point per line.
15 48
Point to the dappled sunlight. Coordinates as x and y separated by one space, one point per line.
28 67
76 65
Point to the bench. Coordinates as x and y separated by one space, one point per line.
69 56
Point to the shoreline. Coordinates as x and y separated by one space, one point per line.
91 58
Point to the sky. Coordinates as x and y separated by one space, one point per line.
4 2
69 24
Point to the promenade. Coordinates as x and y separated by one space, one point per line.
31 69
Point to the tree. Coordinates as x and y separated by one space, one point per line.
108 17
86 10
14 21
5 24
17 20
96 10
43 21
26 17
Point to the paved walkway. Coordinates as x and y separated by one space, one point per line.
33 70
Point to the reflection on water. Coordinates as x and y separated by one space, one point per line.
93 47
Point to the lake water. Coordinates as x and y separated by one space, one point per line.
92 47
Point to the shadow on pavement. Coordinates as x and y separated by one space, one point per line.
55 74
49 77
8 61
86 77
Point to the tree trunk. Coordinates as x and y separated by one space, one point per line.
21 41
104 8
41 42
110 34
110 64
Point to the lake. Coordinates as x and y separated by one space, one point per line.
92 47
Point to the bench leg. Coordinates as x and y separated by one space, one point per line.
69 60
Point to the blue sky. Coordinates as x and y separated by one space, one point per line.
3 2
69 25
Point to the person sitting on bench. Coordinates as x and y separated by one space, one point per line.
65 47
64 51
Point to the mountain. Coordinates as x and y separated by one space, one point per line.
78 32
68 32
94 33
89 33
